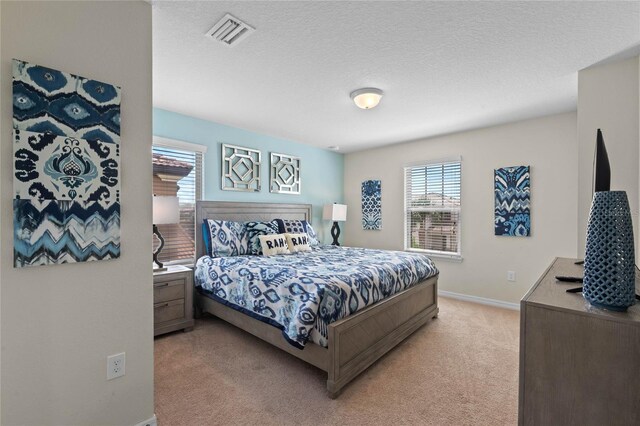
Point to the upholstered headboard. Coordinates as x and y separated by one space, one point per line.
245 212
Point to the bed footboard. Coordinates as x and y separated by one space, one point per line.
356 341
359 340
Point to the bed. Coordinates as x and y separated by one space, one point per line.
347 346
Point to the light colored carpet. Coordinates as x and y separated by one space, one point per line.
460 369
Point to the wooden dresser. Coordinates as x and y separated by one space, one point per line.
172 300
579 365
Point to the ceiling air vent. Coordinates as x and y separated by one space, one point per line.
230 31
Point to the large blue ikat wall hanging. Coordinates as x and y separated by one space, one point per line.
372 204
66 145
512 199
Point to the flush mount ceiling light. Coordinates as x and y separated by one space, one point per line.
366 98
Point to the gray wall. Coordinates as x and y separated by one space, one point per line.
547 144
608 98
2 205
59 323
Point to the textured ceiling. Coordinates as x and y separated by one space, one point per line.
444 66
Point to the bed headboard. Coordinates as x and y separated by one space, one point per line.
245 212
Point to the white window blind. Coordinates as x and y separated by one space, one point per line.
178 172
432 208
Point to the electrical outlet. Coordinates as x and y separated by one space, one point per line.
115 366
511 276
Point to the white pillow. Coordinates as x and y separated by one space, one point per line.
273 244
298 242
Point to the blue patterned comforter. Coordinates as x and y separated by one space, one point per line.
303 293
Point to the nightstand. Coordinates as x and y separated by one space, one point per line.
172 300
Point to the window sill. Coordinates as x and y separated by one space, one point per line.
457 258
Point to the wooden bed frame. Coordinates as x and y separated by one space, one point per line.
356 341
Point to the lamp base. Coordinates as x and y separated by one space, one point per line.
156 253
335 233
156 269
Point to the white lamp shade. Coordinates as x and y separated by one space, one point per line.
166 209
335 212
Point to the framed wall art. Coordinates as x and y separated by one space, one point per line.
66 147
240 169
372 205
512 201
284 174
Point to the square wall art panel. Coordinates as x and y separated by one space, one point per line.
372 205
66 146
241 168
512 199
284 174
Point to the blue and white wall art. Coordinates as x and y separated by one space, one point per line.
372 205
512 201
66 140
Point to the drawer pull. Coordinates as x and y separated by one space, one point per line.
162 285
164 305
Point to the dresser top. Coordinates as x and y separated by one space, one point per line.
548 292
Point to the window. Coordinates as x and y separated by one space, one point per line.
432 208
177 171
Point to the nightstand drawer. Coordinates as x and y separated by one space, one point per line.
172 299
168 311
168 290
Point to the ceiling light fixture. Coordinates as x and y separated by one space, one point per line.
366 98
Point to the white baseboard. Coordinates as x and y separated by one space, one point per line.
149 422
481 300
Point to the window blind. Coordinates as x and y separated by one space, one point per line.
432 208
178 172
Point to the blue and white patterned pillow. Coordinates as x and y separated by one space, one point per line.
227 238
286 226
254 230
313 237
298 227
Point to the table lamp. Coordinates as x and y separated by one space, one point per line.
336 213
166 210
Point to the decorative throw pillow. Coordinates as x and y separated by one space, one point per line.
226 238
286 226
273 244
254 230
313 237
298 242
291 226
206 237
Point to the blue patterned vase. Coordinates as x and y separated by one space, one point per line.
609 264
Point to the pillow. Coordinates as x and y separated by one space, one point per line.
291 226
273 244
226 238
206 237
313 237
298 227
298 242
254 230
